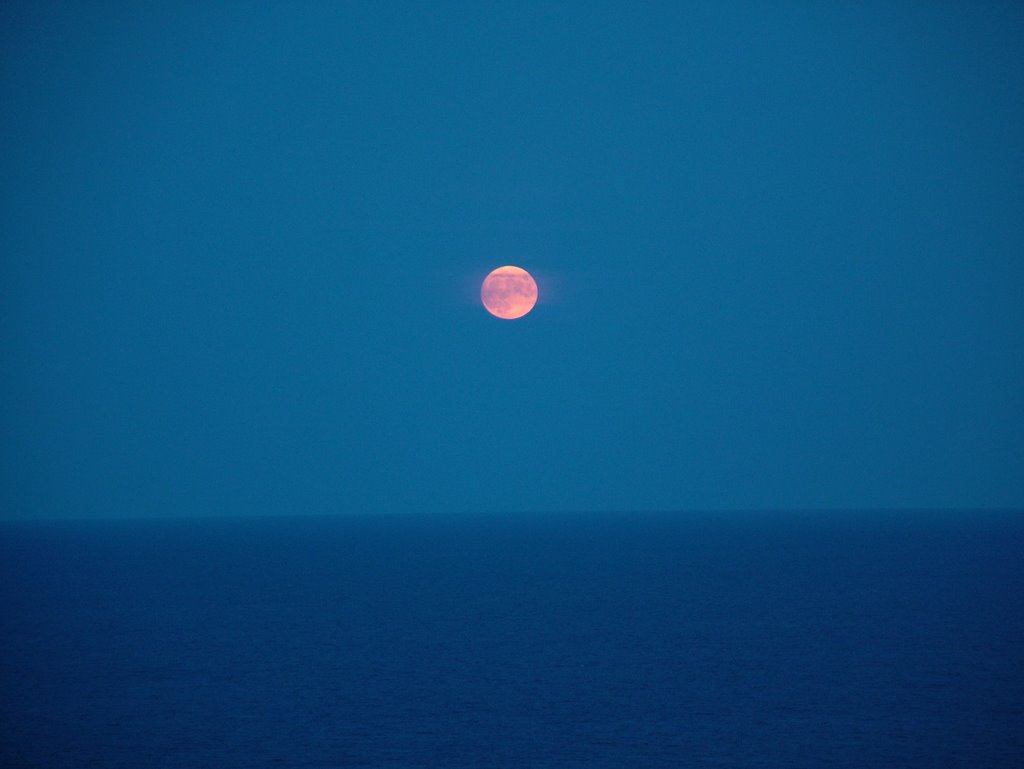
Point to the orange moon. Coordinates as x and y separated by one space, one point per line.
509 292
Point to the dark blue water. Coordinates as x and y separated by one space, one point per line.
728 640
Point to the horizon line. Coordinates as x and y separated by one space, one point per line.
512 513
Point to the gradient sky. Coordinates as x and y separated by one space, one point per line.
780 250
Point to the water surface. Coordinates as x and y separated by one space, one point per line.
583 640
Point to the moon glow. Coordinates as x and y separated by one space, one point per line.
509 292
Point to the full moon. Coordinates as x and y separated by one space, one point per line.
509 292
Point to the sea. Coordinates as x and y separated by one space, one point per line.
729 639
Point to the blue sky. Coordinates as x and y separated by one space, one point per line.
780 250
